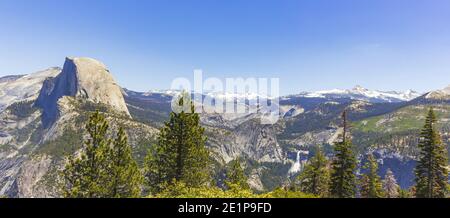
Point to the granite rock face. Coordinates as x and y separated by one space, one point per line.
442 94
23 87
33 141
83 78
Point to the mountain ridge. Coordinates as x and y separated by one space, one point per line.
360 93
84 78
31 152
356 93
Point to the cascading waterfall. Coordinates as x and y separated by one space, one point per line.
297 166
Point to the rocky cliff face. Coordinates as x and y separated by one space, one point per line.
23 87
443 94
84 78
31 140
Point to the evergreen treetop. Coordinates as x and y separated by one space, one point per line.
235 175
180 153
343 165
315 178
431 172
371 186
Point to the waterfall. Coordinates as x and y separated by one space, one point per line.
296 167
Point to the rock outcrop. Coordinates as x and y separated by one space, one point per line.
439 94
84 78
23 87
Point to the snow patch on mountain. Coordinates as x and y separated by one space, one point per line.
169 92
225 96
356 93
360 93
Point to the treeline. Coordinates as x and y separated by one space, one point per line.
338 177
179 165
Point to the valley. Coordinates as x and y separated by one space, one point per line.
43 115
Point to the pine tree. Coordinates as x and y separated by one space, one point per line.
343 166
315 178
431 172
126 178
371 186
180 153
105 168
235 175
88 175
391 188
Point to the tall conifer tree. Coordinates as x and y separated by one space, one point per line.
431 172
315 178
105 168
371 186
180 153
343 166
235 175
88 175
126 178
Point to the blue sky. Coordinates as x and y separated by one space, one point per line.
308 44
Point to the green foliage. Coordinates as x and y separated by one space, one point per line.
22 109
88 106
66 144
88 175
235 175
371 186
126 177
285 193
181 190
315 178
398 130
343 166
343 179
404 193
141 147
176 189
6 147
431 171
180 153
104 168
406 118
272 174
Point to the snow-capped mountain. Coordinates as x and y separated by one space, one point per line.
360 93
169 92
356 93
226 96
31 143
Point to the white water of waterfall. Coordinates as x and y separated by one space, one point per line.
298 165
295 168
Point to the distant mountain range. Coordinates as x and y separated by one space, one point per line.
42 117
21 87
356 93
360 93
